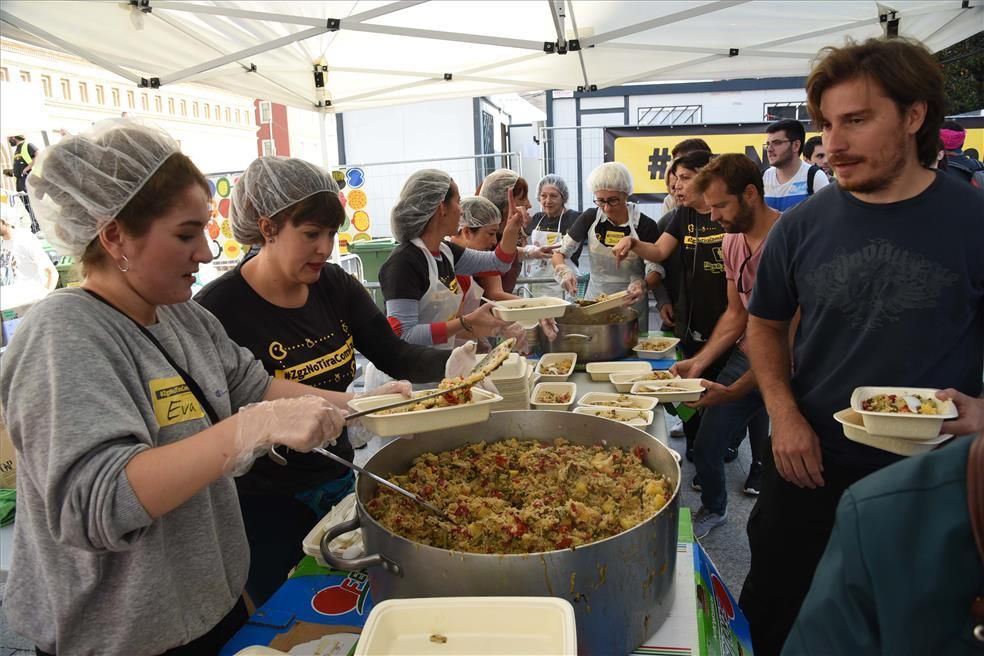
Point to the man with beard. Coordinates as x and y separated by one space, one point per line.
883 300
732 188
787 180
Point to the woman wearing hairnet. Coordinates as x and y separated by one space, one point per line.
423 299
478 229
602 228
547 229
304 319
130 410
509 192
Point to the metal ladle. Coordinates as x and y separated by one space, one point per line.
492 361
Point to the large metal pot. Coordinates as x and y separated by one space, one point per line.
621 587
594 337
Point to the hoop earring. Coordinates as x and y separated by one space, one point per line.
125 266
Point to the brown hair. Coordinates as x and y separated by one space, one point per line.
736 170
905 69
689 146
155 198
323 209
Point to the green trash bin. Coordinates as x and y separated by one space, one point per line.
373 252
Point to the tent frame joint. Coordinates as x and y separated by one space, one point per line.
150 83
333 24
142 5
732 52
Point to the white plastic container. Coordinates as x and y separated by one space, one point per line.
623 382
421 421
599 371
612 302
528 311
666 353
669 391
606 399
628 416
259 650
902 425
556 388
347 545
470 626
855 431
552 359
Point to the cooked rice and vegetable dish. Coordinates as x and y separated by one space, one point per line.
902 403
553 397
654 344
522 496
558 368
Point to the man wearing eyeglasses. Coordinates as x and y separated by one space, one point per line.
786 181
732 188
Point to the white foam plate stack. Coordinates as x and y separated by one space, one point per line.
512 380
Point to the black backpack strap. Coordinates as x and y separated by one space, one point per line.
810 175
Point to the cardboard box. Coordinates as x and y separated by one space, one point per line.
723 628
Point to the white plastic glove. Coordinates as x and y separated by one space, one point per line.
534 252
462 361
566 278
635 290
518 333
402 387
549 328
301 423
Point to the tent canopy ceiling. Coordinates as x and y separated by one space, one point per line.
371 54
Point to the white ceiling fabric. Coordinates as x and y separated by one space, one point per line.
387 53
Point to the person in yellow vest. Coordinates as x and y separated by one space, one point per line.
24 154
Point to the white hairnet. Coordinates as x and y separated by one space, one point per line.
270 185
496 188
613 176
556 182
477 212
81 183
419 199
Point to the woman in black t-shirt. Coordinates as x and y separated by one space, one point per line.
304 319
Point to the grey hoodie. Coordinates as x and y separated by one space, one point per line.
83 391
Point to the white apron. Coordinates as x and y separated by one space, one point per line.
606 277
436 305
470 301
544 268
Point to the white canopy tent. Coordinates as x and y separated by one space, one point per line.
344 55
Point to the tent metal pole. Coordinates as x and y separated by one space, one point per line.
672 67
324 139
659 22
172 5
382 11
580 51
445 36
438 76
557 14
191 71
383 92
9 18
504 62
809 35
749 52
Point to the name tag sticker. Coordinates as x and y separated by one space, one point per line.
173 401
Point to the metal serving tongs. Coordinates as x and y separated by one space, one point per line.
492 361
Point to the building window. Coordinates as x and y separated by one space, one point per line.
208 112
218 114
66 89
3 74
145 102
184 108
228 117
116 97
100 95
266 111
793 110
194 109
170 106
268 148
25 76
669 115
158 105
83 92
46 85
130 102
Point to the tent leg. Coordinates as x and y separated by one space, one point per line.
325 163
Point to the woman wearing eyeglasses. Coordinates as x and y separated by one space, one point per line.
614 219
